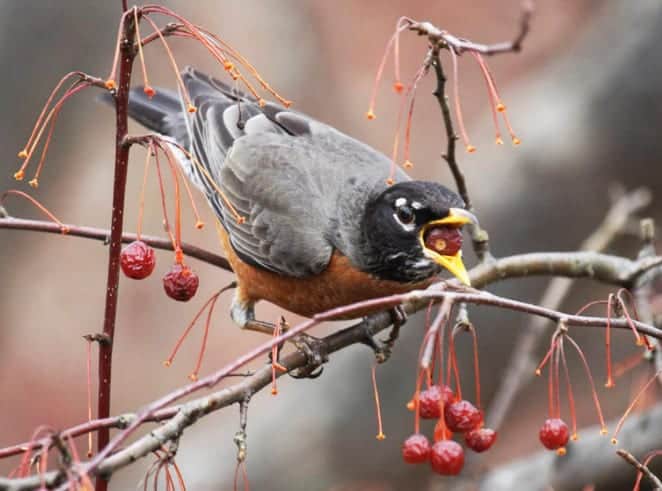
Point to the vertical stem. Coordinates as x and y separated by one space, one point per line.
479 236
449 156
127 55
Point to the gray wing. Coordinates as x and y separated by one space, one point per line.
253 157
299 184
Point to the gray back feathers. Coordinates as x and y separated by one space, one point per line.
301 185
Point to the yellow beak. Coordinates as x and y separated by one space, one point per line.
456 217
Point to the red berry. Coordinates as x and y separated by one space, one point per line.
447 458
480 439
462 416
443 240
137 260
180 282
429 402
554 433
416 449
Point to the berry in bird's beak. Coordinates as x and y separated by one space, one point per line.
441 241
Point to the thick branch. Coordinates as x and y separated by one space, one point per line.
111 459
605 268
116 225
630 459
591 460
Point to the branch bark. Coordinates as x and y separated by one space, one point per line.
127 54
591 460
112 458
104 235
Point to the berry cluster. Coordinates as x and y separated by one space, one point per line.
446 456
138 261
454 414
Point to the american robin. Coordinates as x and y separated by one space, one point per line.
322 228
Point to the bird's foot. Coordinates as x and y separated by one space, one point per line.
384 348
316 353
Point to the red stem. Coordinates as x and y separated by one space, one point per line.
117 220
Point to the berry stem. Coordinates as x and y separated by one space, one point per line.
188 329
557 378
452 362
474 336
63 228
594 393
178 207
610 381
163 197
173 63
147 87
375 390
458 108
640 339
633 404
491 96
203 345
141 208
571 398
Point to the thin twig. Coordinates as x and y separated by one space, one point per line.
104 235
630 459
441 38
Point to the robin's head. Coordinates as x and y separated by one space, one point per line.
413 229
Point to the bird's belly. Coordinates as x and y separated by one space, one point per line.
340 284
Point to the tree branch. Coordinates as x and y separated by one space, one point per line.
441 38
630 459
109 460
588 461
104 235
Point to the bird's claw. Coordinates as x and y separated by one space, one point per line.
316 354
384 349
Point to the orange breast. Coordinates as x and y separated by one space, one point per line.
340 284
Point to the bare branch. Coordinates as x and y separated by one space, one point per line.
111 459
588 461
630 459
441 38
103 235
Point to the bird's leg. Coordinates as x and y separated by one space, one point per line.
243 314
383 349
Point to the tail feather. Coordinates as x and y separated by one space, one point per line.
161 113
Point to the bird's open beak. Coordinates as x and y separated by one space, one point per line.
456 218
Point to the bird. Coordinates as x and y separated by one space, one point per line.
322 224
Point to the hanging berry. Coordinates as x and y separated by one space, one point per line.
462 416
180 283
429 404
137 260
480 439
447 458
416 449
554 434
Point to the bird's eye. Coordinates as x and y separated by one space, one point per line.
405 214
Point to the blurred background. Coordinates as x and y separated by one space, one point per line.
584 96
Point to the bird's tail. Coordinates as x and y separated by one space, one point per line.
162 113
